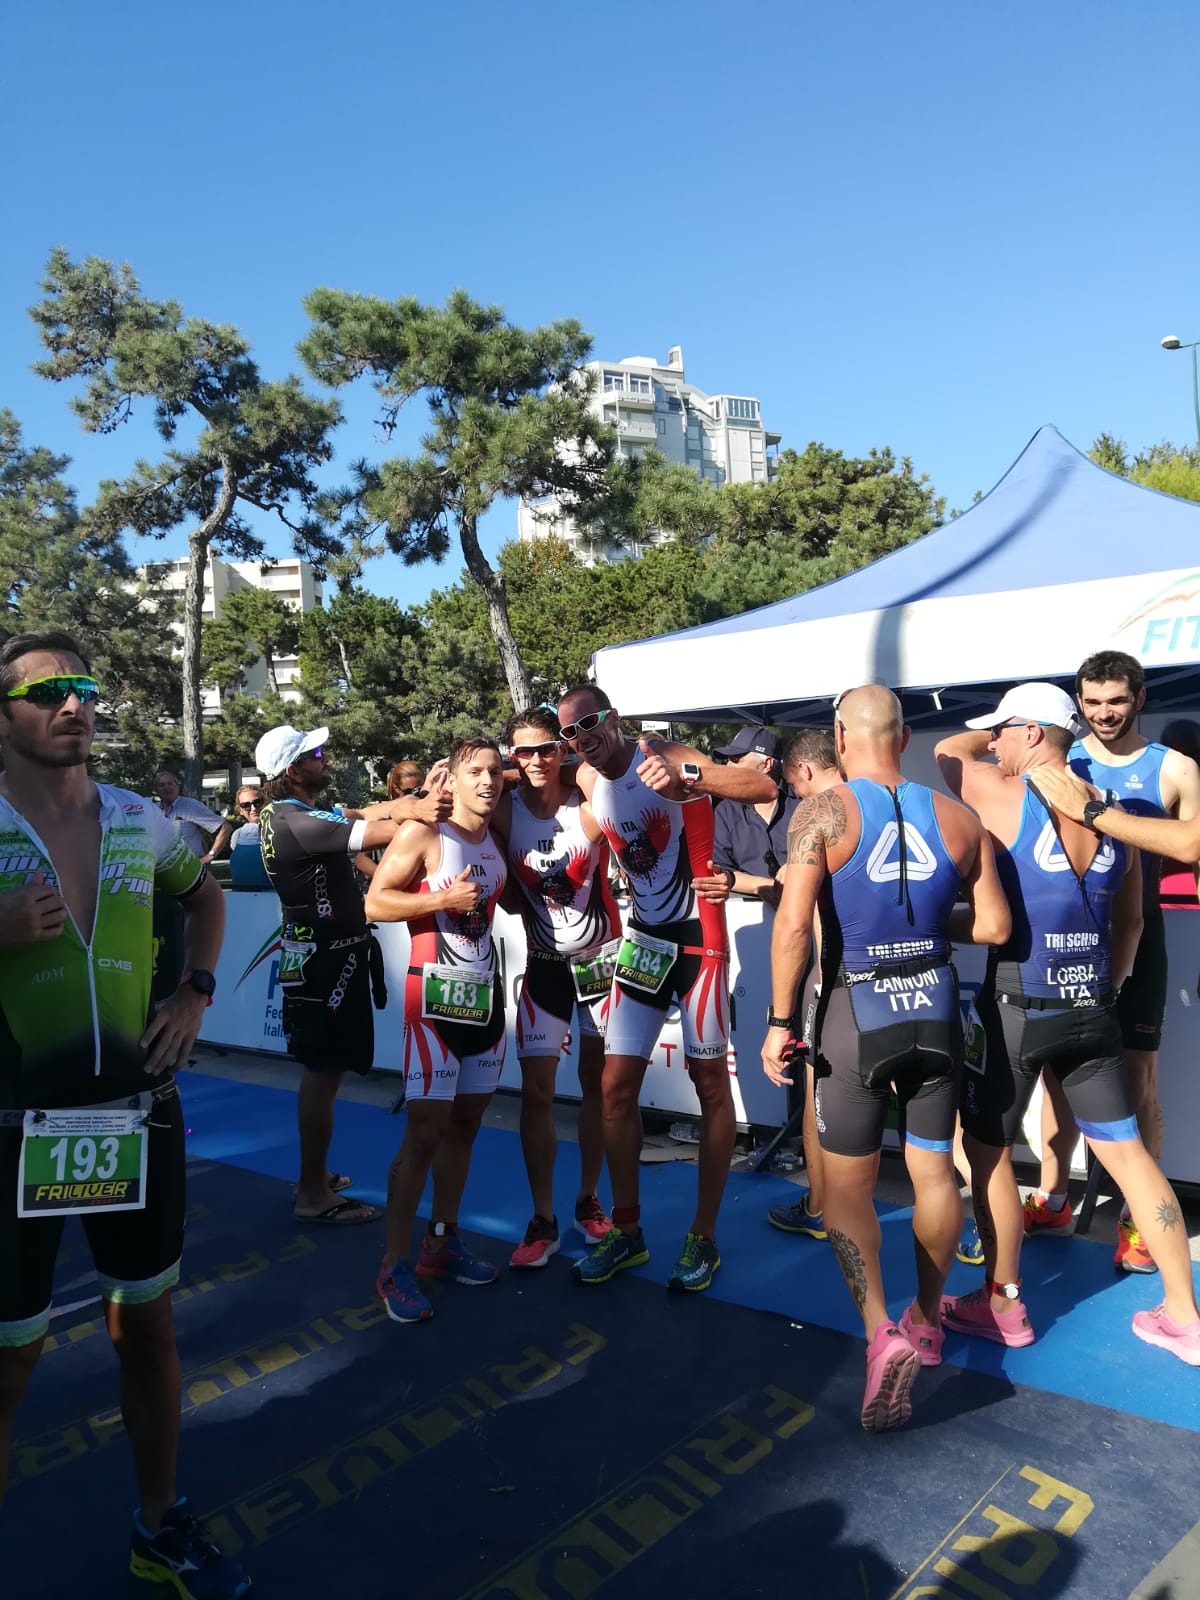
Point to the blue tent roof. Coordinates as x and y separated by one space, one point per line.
1011 539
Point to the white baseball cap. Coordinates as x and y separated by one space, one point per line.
1044 703
278 748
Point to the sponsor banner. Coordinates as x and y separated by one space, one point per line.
247 1009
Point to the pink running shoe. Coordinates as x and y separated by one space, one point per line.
925 1340
973 1313
591 1220
1156 1327
539 1244
892 1367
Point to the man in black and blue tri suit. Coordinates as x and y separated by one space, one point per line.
1048 1006
885 861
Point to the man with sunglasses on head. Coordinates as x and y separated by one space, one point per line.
653 801
1048 1006
326 956
885 860
80 866
558 861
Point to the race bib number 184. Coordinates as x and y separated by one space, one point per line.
643 963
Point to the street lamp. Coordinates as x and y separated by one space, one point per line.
1171 342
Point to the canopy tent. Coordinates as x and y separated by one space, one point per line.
1062 558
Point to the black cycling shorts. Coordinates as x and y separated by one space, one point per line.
136 1253
327 1016
1142 1002
1081 1047
858 1070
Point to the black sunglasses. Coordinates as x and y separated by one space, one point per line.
57 691
249 805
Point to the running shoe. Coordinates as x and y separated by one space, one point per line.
612 1255
1131 1254
797 1218
402 1299
454 1261
539 1244
1156 1327
591 1220
182 1556
1041 1218
892 1367
970 1247
925 1339
973 1314
696 1265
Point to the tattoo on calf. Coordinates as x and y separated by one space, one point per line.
849 1258
1167 1214
817 824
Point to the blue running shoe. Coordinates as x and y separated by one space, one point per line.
695 1268
797 1218
455 1261
610 1256
970 1249
402 1300
183 1557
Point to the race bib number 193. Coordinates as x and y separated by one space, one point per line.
77 1163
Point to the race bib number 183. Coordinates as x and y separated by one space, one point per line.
456 994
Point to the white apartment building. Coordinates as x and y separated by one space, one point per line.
292 579
652 407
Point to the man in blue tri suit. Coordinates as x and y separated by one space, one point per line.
885 860
1150 780
1048 1006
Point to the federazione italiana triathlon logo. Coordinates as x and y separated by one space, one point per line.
1165 626
270 946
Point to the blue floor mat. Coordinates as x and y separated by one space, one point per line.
1079 1307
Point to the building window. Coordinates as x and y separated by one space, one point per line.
639 384
743 410
614 381
661 424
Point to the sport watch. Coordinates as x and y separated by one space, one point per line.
689 774
778 1022
201 981
1097 808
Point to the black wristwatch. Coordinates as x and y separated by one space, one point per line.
1097 808
779 1022
729 876
203 982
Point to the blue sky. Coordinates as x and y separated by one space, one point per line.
929 226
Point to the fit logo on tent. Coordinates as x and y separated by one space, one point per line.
884 866
1048 853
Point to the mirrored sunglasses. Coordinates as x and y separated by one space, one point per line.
314 755
57 690
526 752
572 730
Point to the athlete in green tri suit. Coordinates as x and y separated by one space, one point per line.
80 863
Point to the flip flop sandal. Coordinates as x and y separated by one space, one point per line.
337 1182
337 1214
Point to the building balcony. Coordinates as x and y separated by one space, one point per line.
628 400
637 427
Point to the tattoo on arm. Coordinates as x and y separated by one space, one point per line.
815 825
849 1258
1167 1214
